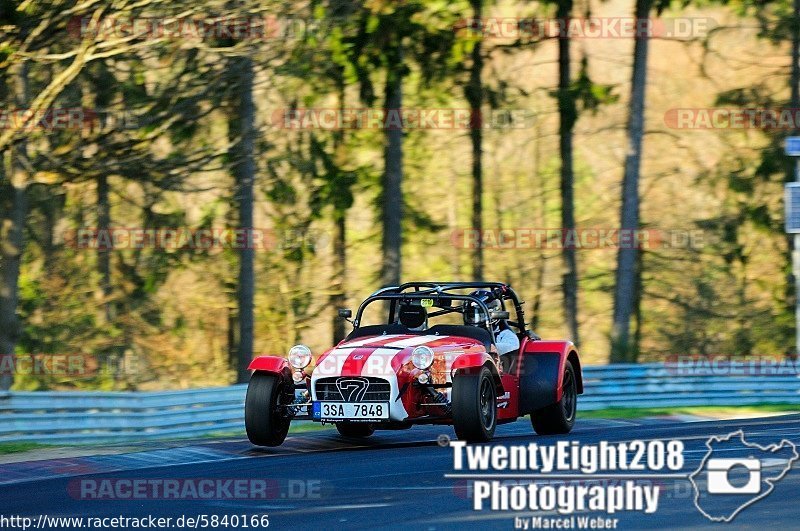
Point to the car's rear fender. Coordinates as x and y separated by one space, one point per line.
473 362
542 372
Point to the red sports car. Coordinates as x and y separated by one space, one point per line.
475 368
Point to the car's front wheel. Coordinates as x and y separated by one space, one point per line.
264 420
559 417
355 430
474 399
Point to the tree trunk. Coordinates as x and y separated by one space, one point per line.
393 179
795 75
474 95
11 248
624 290
95 94
541 217
14 205
104 255
231 337
242 133
338 297
638 294
567 116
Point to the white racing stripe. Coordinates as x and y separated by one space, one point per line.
415 341
367 341
379 364
333 362
408 342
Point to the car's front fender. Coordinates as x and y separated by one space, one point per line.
271 364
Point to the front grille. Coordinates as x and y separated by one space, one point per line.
353 389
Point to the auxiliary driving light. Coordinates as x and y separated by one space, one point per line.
299 356
422 357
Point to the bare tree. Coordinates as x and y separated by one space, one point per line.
242 135
567 115
625 287
339 282
474 94
13 200
392 213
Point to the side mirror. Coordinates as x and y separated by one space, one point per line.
500 314
345 313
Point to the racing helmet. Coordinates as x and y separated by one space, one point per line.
473 313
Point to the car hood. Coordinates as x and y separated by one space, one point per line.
387 354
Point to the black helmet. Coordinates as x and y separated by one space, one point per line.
473 312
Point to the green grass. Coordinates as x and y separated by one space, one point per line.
711 411
15 448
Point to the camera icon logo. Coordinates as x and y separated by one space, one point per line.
721 470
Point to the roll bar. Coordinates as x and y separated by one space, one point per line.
422 290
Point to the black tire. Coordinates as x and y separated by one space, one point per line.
474 399
559 417
265 423
355 430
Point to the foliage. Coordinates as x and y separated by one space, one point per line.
165 316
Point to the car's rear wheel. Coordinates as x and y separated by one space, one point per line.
355 430
559 417
264 420
474 399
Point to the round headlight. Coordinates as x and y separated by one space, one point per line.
422 357
299 356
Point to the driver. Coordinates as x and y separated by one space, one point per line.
505 339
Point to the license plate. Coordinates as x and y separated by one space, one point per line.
351 411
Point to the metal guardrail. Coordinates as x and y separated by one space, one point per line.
103 417
658 385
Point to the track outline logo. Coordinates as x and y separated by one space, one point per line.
724 466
